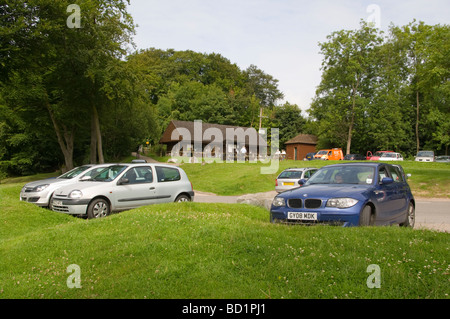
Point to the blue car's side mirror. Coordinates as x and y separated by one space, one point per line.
387 180
302 182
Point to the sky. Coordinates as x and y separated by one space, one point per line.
280 37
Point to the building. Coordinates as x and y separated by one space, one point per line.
299 146
206 140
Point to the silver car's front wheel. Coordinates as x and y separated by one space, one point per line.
98 208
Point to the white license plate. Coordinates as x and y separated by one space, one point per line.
302 216
57 203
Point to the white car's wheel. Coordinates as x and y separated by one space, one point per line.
98 208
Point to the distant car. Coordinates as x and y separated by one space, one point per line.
349 194
424 156
289 178
123 186
334 154
442 159
391 157
354 157
376 156
40 192
309 156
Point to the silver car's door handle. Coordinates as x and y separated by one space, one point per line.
152 188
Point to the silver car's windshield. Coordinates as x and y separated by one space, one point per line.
354 174
108 174
74 172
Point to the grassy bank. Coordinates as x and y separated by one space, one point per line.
195 250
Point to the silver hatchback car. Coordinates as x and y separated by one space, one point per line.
123 186
289 178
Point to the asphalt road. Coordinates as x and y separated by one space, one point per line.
430 213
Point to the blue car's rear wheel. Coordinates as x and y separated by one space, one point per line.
410 216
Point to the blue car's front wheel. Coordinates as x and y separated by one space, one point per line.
366 218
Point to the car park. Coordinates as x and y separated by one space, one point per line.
349 194
424 156
354 157
442 159
121 187
40 192
289 178
391 156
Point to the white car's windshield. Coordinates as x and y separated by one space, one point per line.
108 174
354 174
425 154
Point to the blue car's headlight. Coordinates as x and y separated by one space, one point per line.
341 202
278 201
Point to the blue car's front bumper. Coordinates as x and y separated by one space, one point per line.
325 215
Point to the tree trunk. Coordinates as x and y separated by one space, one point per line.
93 147
65 140
352 121
98 134
417 121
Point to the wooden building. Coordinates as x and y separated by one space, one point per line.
198 139
299 146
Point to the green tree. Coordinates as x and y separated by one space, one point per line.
347 81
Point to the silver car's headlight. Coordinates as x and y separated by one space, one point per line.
40 188
75 194
278 201
341 202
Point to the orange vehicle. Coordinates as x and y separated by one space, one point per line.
334 154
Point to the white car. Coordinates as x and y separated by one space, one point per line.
40 192
424 156
124 186
290 177
392 156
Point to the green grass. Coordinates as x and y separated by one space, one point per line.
196 250
427 179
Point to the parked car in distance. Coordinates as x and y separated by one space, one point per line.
334 154
442 159
392 156
424 156
289 178
123 186
349 194
354 157
309 156
40 192
376 156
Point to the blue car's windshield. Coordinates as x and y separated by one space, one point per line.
345 174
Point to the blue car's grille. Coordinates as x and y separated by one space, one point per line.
313 203
295 203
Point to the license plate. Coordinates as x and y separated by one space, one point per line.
57 203
288 184
302 216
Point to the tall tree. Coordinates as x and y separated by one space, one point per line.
347 79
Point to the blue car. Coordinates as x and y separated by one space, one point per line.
349 194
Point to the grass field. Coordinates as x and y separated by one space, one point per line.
195 250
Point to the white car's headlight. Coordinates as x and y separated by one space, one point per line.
278 201
40 188
341 202
75 194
